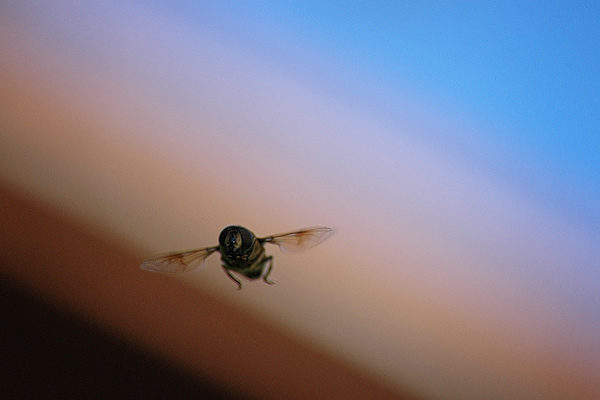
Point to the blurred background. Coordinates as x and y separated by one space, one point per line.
454 149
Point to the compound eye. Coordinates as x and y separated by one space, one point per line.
247 238
223 236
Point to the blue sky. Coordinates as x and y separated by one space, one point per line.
525 76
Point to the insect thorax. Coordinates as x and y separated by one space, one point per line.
245 262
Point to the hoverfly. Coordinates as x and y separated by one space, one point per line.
241 252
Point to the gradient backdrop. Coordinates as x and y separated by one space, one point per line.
454 148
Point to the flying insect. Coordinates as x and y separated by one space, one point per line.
241 252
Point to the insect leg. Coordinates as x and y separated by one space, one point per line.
266 277
233 278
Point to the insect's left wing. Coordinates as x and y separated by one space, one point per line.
179 261
299 240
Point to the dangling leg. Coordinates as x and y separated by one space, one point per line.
266 276
233 278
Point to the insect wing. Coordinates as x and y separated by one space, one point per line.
179 261
299 240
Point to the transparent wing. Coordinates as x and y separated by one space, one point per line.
179 261
299 240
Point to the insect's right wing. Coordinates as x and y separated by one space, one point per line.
299 240
179 261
